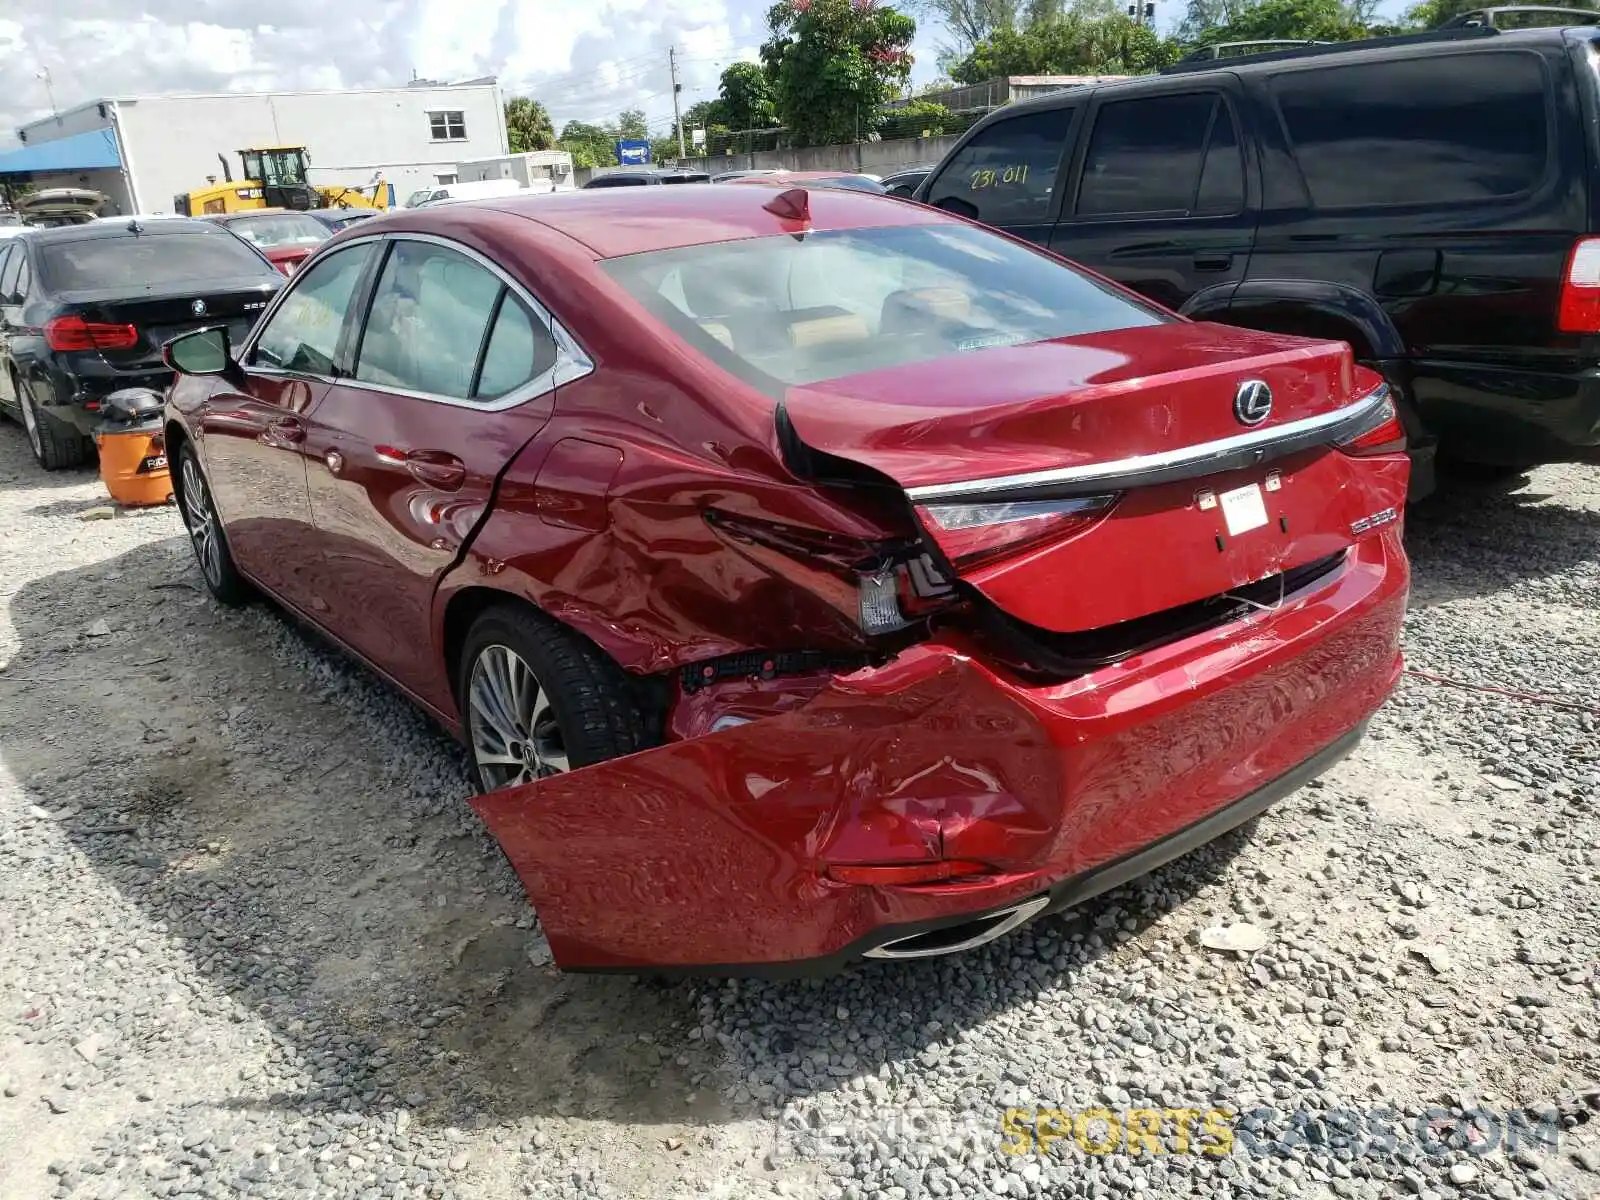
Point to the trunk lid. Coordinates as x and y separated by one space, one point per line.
1206 498
161 316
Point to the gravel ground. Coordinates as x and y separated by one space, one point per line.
254 944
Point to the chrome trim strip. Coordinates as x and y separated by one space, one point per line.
1206 458
1011 918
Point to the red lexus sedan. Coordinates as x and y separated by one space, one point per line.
811 575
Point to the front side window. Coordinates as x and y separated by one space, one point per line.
1434 130
1006 174
448 126
425 331
781 311
303 334
1146 156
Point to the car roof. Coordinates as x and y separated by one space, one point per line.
92 230
1335 54
612 222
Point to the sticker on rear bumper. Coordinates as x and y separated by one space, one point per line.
1243 509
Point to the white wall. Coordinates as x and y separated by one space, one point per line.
171 143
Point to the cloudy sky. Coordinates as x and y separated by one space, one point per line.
587 59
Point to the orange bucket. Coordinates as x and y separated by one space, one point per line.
133 453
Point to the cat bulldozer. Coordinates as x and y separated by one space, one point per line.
275 177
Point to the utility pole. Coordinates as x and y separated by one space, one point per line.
677 113
44 74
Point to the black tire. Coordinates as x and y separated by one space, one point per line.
56 445
215 559
594 708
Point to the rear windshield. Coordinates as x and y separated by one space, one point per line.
145 261
276 230
781 311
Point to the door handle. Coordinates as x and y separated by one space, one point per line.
1216 261
437 468
289 429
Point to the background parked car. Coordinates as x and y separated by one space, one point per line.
286 238
342 218
903 183
477 189
848 180
1429 200
647 177
841 519
85 309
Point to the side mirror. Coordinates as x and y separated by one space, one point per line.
202 352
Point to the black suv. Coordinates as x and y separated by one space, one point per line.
1428 199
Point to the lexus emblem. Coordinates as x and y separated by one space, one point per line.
1252 403
198 308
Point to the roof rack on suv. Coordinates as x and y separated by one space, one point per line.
1236 49
1492 18
1317 49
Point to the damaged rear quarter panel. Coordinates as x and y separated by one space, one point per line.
601 521
707 852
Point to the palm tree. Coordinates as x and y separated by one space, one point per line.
528 125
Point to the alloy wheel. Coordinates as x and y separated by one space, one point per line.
515 736
202 522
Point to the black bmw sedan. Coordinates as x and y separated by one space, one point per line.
85 310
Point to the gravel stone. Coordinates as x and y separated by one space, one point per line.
304 970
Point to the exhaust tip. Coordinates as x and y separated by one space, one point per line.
968 935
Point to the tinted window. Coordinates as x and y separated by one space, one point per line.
147 260
425 328
1005 174
304 332
520 347
1144 155
1420 131
778 311
1222 175
24 274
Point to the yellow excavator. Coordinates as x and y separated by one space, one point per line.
275 177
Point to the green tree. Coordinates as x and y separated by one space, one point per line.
1069 44
745 96
528 125
590 145
1312 20
833 63
914 119
631 124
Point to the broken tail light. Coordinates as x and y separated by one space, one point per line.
74 333
972 534
1381 434
1579 308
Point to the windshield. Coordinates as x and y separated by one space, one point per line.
145 262
282 229
783 311
417 197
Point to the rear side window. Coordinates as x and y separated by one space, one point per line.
1177 154
10 260
143 261
1006 174
1433 130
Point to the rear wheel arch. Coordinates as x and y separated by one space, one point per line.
1308 308
615 711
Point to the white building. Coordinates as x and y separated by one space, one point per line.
144 150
